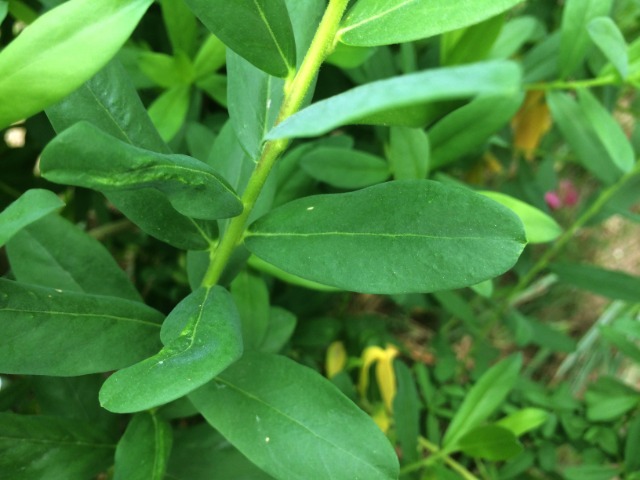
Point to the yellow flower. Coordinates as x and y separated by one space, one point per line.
385 375
336 359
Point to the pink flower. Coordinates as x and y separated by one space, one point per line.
565 196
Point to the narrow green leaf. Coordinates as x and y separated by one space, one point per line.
468 128
397 237
294 429
590 472
523 421
344 167
471 44
608 283
201 338
143 451
611 408
539 226
609 132
620 340
609 39
632 446
515 33
53 332
181 26
252 298
258 30
211 56
574 42
40 255
67 46
409 153
169 111
30 207
483 399
489 78
193 188
385 22
34 446
166 70
490 442
406 413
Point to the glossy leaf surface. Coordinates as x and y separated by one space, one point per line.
497 78
295 432
402 236
53 332
30 207
66 45
201 337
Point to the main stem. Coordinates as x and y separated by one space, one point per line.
295 92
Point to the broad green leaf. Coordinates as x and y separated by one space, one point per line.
490 442
468 128
621 341
609 283
30 207
254 99
258 30
344 167
290 421
396 237
489 78
608 131
582 137
409 153
282 323
609 39
181 26
53 332
611 408
67 46
252 298
539 226
33 446
143 451
193 188
523 421
482 400
385 22
201 338
169 111
110 102
574 42
406 412
54 253
262 266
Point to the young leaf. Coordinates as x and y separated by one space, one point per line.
258 30
30 207
490 442
409 153
169 111
344 167
67 46
33 446
609 39
252 298
385 22
539 226
53 332
482 400
181 25
192 187
143 451
608 283
490 78
201 338
523 421
297 431
397 237
40 255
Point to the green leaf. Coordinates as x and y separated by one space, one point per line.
345 168
590 472
165 70
67 46
609 132
257 30
489 78
609 39
470 44
632 446
4 8
539 226
611 408
468 128
490 442
608 283
50 447
30 207
406 412
143 451
523 421
201 338
409 153
193 188
397 237
515 33
282 323
385 22
262 266
211 56
53 332
484 398
181 26
294 429
581 136
252 298
621 342
40 255
574 42
169 111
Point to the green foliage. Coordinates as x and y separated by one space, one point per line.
289 239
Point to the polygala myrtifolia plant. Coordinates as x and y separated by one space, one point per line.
259 160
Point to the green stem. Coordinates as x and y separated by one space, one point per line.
295 93
431 447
